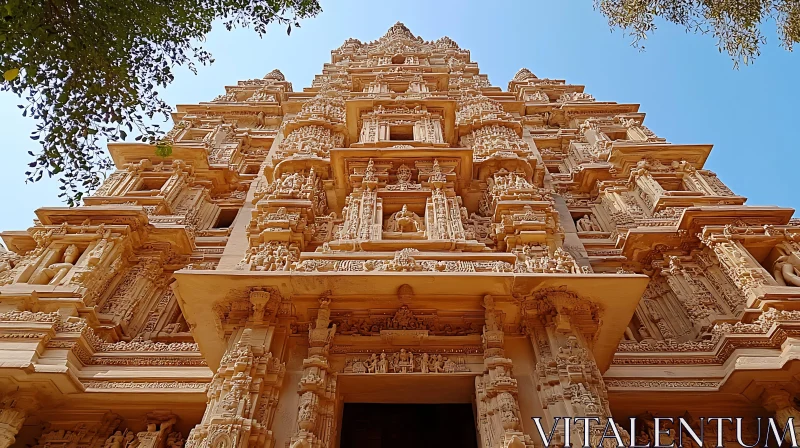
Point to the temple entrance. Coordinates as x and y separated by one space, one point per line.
382 425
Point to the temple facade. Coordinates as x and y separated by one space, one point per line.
400 233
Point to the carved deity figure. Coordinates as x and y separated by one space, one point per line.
383 364
404 221
587 224
785 270
261 121
175 440
130 441
102 246
53 274
7 263
372 363
404 176
404 361
115 441
437 364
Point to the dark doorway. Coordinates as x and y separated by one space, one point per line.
372 425
401 133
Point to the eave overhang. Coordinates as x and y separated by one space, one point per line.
615 295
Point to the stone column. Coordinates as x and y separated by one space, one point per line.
499 419
736 262
316 417
244 391
697 301
779 401
14 409
569 382
647 185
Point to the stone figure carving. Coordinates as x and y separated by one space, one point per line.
437 364
404 319
587 224
53 274
175 440
405 221
8 260
405 361
425 364
383 364
372 364
115 441
102 246
225 97
785 271
129 441
261 121
404 181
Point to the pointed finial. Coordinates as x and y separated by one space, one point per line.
399 30
524 74
276 75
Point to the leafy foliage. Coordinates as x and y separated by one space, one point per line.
735 23
90 70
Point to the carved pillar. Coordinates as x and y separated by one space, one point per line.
714 184
568 380
429 130
443 217
14 409
499 419
732 296
694 182
698 302
369 131
735 261
244 391
317 414
779 401
363 216
647 187
110 184
363 213
136 285
176 183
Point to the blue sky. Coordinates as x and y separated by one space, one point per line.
689 90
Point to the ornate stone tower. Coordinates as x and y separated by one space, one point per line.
400 232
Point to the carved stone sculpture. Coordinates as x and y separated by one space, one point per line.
785 271
587 224
405 221
53 274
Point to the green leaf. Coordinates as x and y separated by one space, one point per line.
11 74
164 150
